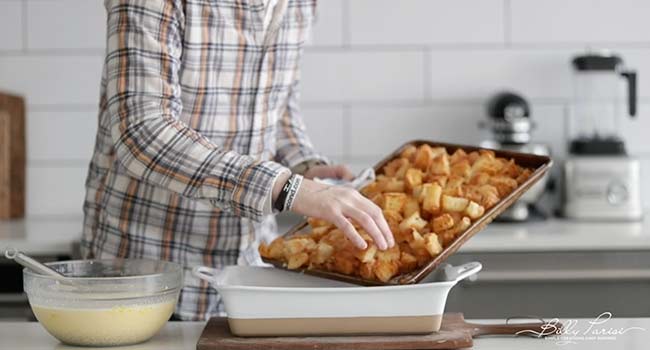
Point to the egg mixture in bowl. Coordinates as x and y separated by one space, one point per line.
105 302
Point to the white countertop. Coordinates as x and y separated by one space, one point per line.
55 236
561 235
31 336
184 335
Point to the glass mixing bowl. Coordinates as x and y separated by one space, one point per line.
105 302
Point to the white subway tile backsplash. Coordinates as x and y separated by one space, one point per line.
52 79
549 122
359 165
379 130
66 24
376 74
539 74
55 191
645 186
66 136
11 25
328 27
581 21
426 22
362 75
639 60
325 127
477 74
636 131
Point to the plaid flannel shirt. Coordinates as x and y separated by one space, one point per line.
198 116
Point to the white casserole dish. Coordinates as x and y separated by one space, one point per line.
262 301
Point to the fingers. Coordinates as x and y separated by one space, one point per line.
330 171
337 204
377 216
348 229
343 172
369 226
383 226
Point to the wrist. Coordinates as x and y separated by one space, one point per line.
287 195
305 196
279 183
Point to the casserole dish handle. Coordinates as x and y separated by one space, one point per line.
461 272
208 274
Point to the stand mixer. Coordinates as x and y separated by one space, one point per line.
510 127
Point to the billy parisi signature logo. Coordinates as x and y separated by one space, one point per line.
568 332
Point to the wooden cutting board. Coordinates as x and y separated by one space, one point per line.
12 157
455 333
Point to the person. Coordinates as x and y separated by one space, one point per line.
199 131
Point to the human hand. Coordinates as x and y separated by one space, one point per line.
338 204
329 171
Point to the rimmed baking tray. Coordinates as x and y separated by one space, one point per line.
540 165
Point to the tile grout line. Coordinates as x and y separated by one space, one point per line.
532 46
423 103
348 47
73 107
431 102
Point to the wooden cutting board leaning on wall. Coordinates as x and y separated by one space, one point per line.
12 157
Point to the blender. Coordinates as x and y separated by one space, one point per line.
601 180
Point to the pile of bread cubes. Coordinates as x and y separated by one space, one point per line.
429 198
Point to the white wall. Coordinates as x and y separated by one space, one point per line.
378 72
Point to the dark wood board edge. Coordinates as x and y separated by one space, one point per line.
216 335
454 331
540 163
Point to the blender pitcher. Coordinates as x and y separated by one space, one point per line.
601 180
604 90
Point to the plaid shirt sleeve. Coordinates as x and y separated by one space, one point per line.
293 144
143 94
